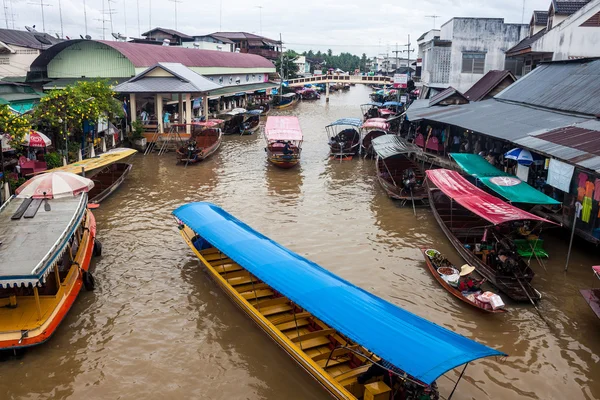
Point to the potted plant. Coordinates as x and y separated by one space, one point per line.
137 130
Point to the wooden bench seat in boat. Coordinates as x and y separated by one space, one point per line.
348 377
275 311
241 280
289 317
315 342
257 294
226 269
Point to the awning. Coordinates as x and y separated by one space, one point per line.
392 103
510 187
419 347
368 124
488 207
283 128
356 122
389 145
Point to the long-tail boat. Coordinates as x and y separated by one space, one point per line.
232 121
371 129
370 110
108 180
401 177
91 166
203 144
592 296
47 245
351 341
435 263
478 225
344 138
284 141
285 101
251 122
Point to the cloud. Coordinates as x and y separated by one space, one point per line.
354 26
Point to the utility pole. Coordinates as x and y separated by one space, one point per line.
138 15
396 53
110 15
149 14
408 50
125 16
85 17
62 32
434 17
260 17
5 16
175 1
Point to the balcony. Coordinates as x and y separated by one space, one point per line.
266 53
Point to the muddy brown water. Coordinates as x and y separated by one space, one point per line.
157 326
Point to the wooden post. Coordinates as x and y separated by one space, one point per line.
37 302
327 92
205 105
158 107
180 109
133 107
188 113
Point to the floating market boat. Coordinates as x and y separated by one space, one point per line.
47 245
355 344
285 101
401 177
344 138
233 121
478 225
308 94
370 110
284 141
592 296
203 144
251 122
91 166
371 129
440 267
108 181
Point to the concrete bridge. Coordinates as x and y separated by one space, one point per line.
331 78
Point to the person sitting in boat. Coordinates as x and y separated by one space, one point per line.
409 178
466 282
286 149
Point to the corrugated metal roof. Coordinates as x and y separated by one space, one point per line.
33 40
486 84
171 32
571 86
244 35
444 94
64 82
231 90
147 55
184 80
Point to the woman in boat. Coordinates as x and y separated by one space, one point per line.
466 282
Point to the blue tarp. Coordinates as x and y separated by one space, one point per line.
411 343
392 103
347 121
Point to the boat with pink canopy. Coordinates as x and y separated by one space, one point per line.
284 141
371 129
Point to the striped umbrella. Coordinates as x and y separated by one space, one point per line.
54 185
36 139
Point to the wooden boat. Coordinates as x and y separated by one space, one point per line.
92 166
370 110
108 180
308 94
284 141
344 138
592 296
478 224
233 121
371 129
203 144
44 261
327 334
434 264
285 101
400 176
251 122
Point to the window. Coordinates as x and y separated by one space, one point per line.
473 63
514 65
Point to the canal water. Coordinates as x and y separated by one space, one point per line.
157 327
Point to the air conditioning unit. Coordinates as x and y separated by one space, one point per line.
166 42
196 45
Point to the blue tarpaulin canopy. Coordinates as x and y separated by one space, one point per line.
392 103
421 348
347 121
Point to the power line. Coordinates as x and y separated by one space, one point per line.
42 5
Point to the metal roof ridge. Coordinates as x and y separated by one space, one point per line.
547 109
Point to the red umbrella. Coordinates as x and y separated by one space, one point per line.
36 139
53 185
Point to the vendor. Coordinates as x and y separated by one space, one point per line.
466 282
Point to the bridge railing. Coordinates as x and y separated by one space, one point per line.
340 78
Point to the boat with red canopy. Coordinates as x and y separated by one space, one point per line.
592 296
284 141
482 227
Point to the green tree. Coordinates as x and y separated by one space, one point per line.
14 125
329 53
290 68
363 63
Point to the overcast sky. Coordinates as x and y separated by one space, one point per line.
354 26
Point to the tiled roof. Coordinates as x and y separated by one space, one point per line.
33 40
525 43
169 31
486 84
565 7
540 17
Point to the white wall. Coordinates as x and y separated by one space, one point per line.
17 63
488 35
208 46
569 39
